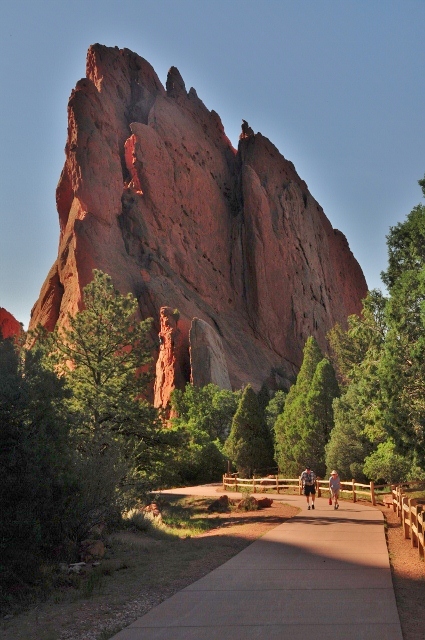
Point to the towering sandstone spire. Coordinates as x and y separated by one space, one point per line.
153 193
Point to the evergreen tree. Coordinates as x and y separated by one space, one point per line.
385 465
249 445
209 409
274 408
203 421
37 465
358 413
402 370
290 446
320 418
103 356
362 341
381 362
348 444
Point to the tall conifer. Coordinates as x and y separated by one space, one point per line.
303 428
249 445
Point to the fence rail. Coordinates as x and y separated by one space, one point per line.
356 489
411 512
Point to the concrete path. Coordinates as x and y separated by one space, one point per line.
324 574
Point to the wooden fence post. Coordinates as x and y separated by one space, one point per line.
398 498
420 524
393 488
253 484
405 520
353 482
413 522
277 483
372 493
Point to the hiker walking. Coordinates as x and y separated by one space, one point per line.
334 487
308 483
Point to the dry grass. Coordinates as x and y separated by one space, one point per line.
142 569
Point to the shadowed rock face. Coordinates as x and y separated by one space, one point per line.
153 193
207 357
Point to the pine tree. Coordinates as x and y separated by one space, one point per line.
36 459
348 445
290 448
402 367
249 445
103 356
320 418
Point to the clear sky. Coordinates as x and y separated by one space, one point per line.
337 85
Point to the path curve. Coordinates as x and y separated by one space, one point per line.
323 574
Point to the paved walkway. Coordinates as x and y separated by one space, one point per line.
322 574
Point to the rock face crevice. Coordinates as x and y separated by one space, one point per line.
153 193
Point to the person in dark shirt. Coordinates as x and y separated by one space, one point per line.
308 483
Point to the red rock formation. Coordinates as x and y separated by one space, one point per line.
9 326
153 193
172 365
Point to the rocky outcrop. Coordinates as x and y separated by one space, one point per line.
153 193
172 364
9 326
207 357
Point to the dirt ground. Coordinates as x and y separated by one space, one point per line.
141 572
408 573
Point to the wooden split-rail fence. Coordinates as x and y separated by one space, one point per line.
411 512
274 483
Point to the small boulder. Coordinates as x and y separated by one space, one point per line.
152 511
91 550
263 503
220 505
76 567
247 504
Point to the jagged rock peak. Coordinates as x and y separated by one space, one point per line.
153 193
247 132
175 84
123 65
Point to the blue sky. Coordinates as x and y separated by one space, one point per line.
337 85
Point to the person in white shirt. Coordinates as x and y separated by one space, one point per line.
334 487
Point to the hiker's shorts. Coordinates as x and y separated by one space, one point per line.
309 489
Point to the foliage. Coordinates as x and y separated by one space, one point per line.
358 413
103 356
303 428
406 247
274 408
36 461
320 418
385 465
402 370
348 445
249 445
199 459
203 420
381 358
209 409
363 339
